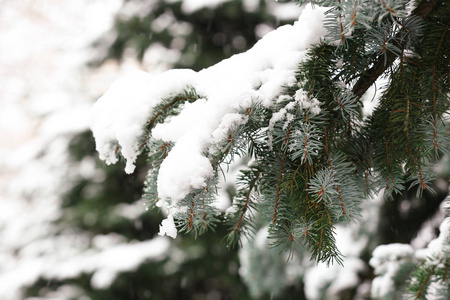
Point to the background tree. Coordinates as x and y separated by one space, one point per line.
107 212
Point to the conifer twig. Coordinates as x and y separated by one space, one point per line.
433 88
280 177
387 59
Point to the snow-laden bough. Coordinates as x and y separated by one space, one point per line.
120 115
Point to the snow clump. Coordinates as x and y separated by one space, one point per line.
120 115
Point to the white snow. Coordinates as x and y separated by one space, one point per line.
167 227
312 105
121 258
391 252
259 74
185 168
46 100
285 11
441 245
386 261
332 279
427 232
105 264
438 247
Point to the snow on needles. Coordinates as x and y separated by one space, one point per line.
259 74
167 227
120 114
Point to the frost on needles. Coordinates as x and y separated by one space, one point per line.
292 106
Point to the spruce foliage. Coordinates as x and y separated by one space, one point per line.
313 155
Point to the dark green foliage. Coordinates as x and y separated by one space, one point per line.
429 272
208 268
91 205
210 37
315 156
241 221
408 123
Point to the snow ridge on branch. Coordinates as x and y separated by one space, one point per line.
119 117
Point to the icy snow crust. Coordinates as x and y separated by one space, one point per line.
259 74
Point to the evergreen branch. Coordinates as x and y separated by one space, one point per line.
246 205
306 143
280 177
406 122
387 59
191 213
366 177
419 165
388 158
340 200
240 139
341 26
424 283
388 8
197 213
303 186
386 38
169 104
189 95
407 115
204 211
433 87
355 6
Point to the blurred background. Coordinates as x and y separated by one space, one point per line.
73 228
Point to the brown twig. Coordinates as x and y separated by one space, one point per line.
387 59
